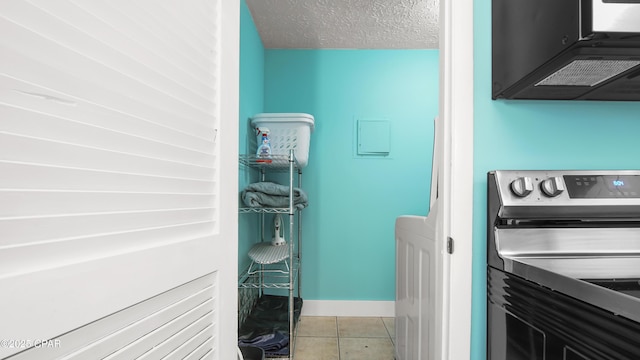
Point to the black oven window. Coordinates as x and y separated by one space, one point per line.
524 342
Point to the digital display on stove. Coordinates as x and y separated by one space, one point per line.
603 186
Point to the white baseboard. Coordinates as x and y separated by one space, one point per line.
348 308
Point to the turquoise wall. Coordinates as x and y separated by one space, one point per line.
348 228
251 102
536 135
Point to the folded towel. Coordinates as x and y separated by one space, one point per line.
268 194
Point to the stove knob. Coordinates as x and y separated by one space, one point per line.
552 186
522 186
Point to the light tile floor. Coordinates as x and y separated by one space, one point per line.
344 338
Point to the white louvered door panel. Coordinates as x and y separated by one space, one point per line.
111 172
173 324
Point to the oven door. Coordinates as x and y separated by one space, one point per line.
616 16
527 321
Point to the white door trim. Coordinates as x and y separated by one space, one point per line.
456 109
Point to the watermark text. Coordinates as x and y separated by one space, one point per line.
28 343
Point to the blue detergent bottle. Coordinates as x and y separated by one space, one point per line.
264 148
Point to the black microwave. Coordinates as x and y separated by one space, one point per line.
566 49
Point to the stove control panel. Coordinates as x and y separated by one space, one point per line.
569 184
568 193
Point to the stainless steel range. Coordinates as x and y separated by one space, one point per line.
563 274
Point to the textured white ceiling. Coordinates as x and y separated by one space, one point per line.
346 24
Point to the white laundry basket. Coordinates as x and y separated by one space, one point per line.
287 131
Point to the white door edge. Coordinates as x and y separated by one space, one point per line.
229 138
456 109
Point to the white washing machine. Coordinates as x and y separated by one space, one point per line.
416 277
